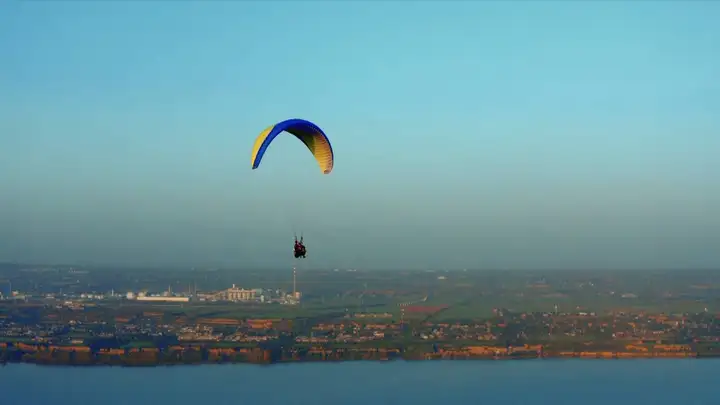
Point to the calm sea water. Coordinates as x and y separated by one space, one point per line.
588 382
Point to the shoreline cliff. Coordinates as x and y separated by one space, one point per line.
193 354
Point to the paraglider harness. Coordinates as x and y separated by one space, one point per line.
299 249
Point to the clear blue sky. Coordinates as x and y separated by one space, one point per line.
467 135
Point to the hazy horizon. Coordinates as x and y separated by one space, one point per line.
485 135
206 267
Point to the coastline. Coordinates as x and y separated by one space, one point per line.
207 354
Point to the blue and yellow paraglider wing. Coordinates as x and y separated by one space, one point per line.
307 132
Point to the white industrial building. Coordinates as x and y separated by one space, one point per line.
163 299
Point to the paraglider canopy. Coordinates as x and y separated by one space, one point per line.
307 132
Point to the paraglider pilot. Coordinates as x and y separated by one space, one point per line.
299 249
